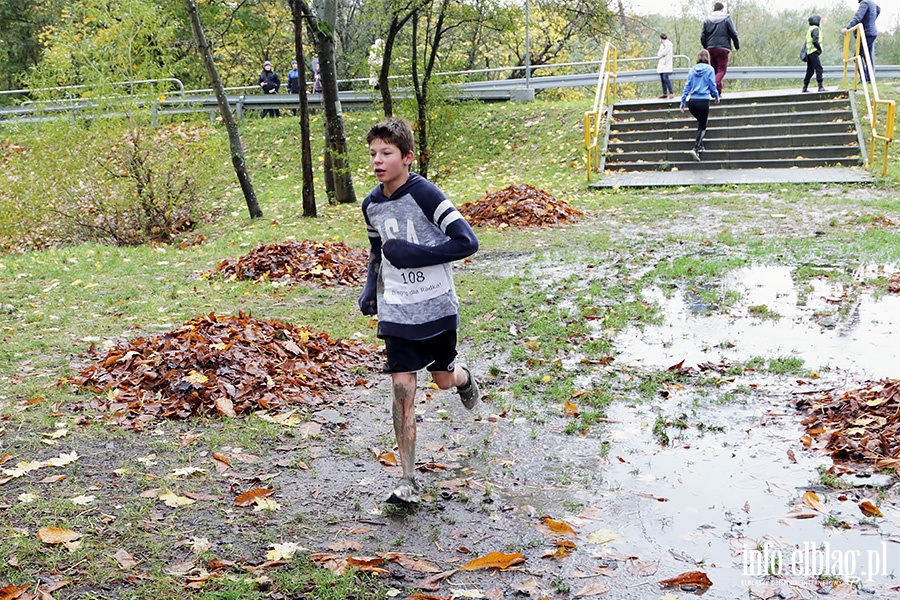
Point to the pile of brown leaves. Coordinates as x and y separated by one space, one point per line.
318 263
520 206
228 365
861 426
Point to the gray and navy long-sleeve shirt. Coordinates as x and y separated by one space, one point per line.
414 235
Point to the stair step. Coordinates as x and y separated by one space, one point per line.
684 138
729 99
763 131
692 165
664 112
842 153
685 119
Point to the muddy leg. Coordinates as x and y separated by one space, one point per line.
404 413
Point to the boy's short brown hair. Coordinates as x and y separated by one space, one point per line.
393 131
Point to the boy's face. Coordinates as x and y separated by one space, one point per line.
389 165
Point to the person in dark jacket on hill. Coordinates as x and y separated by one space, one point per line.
717 36
866 14
813 53
698 89
269 82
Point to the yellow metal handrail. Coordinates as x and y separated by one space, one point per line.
606 85
874 102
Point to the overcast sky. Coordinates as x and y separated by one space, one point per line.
889 18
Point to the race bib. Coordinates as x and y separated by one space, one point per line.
410 286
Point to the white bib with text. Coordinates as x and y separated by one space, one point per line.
409 286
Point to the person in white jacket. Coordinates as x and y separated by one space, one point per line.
664 65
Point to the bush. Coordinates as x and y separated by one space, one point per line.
113 184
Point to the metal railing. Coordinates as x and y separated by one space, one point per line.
606 89
863 63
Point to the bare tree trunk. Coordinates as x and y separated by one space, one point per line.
397 23
309 193
421 88
323 23
234 136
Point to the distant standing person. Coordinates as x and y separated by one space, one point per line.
317 76
698 89
717 36
866 14
269 82
664 65
293 79
376 55
813 53
293 83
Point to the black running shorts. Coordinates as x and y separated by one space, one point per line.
436 353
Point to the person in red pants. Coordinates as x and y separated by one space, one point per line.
717 37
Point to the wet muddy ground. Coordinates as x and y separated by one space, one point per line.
710 478
723 494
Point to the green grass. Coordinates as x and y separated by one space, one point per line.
539 309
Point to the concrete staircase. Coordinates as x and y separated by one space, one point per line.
747 130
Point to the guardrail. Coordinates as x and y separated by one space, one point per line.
483 85
606 89
861 60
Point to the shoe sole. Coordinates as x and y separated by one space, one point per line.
398 501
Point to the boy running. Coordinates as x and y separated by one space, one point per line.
414 232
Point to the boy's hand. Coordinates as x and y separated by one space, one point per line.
397 251
368 305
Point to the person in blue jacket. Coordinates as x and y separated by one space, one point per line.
293 81
698 89
414 234
866 14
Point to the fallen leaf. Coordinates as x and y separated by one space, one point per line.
261 504
494 560
82 500
221 458
180 569
11 592
811 499
697 578
557 527
433 583
200 545
225 406
248 498
602 536
593 589
185 472
345 546
643 568
125 559
413 564
869 509
388 459
283 551
56 535
174 500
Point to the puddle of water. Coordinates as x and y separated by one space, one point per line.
713 502
727 491
859 341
